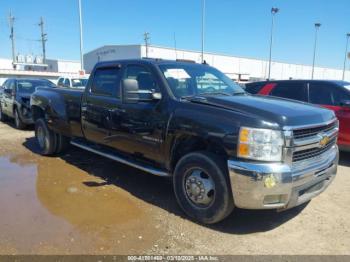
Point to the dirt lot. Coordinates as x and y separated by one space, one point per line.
80 203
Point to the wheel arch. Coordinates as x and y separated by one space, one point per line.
186 144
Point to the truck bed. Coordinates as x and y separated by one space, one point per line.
66 103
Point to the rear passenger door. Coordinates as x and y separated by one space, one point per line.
330 95
100 103
291 90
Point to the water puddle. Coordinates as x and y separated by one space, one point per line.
50 206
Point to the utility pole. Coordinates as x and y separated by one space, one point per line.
317 26
346 53
81 37
203 31
12 36
146 38
274 11
43 38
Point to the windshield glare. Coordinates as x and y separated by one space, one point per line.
195 79
29 86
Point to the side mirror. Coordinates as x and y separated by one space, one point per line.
132 93
345 103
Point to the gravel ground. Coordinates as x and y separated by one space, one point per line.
79 203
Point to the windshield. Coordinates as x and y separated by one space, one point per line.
195 79
79 82
29 86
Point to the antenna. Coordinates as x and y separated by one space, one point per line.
175 48
12 36
146 38
43 38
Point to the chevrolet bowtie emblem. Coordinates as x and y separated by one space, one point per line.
324 140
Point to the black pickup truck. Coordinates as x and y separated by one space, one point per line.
15 97
222 147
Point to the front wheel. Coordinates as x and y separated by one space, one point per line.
18 121
46 138
202 187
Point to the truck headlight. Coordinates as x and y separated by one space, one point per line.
260 144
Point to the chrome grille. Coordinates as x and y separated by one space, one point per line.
313 152
307 142
302 133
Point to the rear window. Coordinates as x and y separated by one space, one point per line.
254 88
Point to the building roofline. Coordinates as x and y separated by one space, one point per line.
220 54
104 46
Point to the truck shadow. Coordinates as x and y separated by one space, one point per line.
158 191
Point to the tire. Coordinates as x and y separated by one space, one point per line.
216 202
46 138
3 117
62 143
18 121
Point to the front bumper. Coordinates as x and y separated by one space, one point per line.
279 185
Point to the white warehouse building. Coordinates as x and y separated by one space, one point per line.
237 68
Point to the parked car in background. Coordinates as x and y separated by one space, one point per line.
334 95
15 98
221 146
72 82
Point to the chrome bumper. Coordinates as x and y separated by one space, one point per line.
279 185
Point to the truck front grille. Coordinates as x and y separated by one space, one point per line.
308 132
307 141
313 152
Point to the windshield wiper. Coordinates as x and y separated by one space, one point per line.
239 93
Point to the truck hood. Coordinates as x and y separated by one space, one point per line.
271 110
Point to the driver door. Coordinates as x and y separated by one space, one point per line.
141 124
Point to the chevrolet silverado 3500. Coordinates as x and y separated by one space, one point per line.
222 147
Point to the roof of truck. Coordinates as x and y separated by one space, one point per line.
148 61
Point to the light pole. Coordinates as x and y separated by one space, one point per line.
274 11
346 53
81 38
203 24
317 26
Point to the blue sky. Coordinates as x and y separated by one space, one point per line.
236 27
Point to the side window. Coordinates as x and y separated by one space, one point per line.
295 91
326 94
254 88
67 82
144 77
60 82
106 82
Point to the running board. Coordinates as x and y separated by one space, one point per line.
147 169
